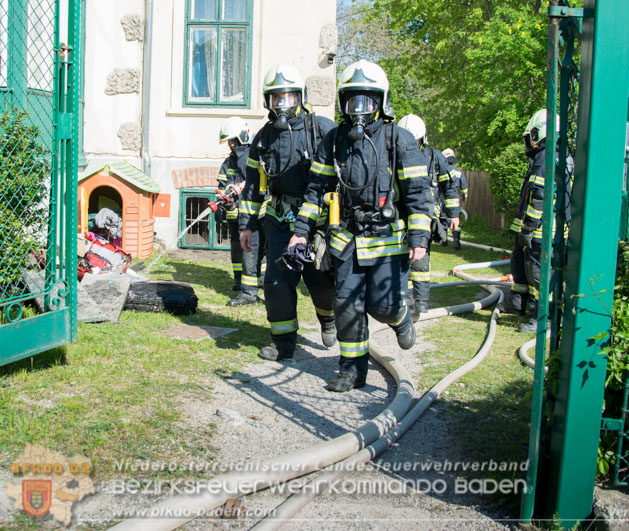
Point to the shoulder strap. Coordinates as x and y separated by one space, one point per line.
313 132
390 138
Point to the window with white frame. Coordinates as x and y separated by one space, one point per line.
218 51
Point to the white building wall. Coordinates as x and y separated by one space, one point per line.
182 137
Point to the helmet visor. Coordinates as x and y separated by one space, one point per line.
361 103
283 100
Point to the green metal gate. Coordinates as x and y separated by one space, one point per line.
38 167
577 273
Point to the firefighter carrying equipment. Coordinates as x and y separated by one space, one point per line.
296 257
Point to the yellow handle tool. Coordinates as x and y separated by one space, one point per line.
334 212
263 179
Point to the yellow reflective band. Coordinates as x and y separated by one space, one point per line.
452 203
231 171
539 233
249 281
339 240
412 171
249 207
403 316
534 292
443 178
322 169
410 284
455 173
516 225
237 267
263 267
520 288
533 212
420 276
263 207
354 349
374 247
232 214
324 313
221 177
537 179
323 218
284 327
310 211
251 163
419 222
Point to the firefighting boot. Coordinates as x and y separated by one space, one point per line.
456 238
328 334
531 319
421 306
406 336
348 378
242 299
529 326
412 308
508 306
277 351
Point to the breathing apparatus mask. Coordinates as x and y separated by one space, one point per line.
362 108
284 105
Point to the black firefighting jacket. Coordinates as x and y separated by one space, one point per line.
358 163
531 204
233 171
286 163
444 186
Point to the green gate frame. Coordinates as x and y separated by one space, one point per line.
564 452
57 324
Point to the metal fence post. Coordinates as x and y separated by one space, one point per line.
592 248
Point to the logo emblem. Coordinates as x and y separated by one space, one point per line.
36 496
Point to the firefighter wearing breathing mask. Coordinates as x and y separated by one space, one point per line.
278 165
247 267
374 173
527 226
447 202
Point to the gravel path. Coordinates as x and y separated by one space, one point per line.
274 408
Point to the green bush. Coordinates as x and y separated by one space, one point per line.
617 360
507 172
24 183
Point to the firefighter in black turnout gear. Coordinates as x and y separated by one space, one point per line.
376 175
458 176
246 266
527 227
447 207
279 164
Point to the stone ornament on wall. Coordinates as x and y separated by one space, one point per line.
123 81
130 135
321 91
133 27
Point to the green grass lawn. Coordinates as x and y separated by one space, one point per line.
117 393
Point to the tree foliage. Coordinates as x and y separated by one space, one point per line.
474 69
24 177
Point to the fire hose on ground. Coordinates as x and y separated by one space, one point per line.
361 445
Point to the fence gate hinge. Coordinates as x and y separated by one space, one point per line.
611 424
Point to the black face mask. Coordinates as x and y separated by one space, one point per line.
357 132
281 122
